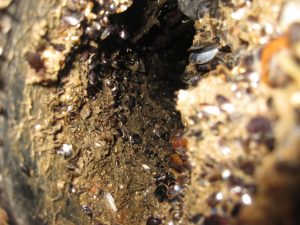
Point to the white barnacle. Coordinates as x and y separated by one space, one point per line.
228 107
219 196
246 199
239 14
236 190
226 174
210 109
145 167
52 59
65 150
225 150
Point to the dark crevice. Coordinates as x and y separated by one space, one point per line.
159 34
141 75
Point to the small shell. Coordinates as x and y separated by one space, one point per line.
110 200
145 167
72 20
106 33
203 55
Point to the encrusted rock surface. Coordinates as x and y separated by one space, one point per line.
241 119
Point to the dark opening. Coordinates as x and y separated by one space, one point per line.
141 62
160 34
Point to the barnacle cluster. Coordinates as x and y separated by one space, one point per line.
241 118
62 32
